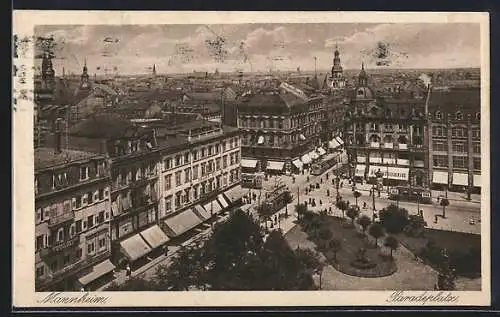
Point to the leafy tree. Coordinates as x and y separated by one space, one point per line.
335 246
300 209
357 194
393 218
324 236
444 203
342 205
353 213
392 243
415 226
376 231
364 221
136 283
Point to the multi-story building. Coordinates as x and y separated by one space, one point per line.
455 145
72 218
386 134
279 128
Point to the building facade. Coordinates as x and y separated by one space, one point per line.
72 217
386 135
455 144
278 127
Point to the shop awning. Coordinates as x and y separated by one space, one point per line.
248 163
403 146
389 160
298 163
275 166
154 236
440 177
306 159
260 140
213 207
235 193
361 159
302 137
201 212
98 271
460 179
397 173
375 159
339 140
374 144
333 144
388 145
313 155
182 222
134 247
360 170
476 180
224 203
321 151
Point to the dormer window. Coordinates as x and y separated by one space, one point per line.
459 115
438 115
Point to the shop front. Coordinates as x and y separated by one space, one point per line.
274 167
135 250
439 180
392 176
96 276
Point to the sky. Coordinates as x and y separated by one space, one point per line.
133 49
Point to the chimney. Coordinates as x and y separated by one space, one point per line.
57 136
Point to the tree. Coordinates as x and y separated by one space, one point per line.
182 273
300 209
444 203
312 261
324 236
393 218
392 243
136 283
265 212
357 194
335 246
353 213
342 205
364 221
376 231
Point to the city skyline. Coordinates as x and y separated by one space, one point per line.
134 49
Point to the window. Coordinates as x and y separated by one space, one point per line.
195 192
168 203
458 132
186 175
459 161
178 199
167 163
60 235
217 148
185 198
84 173
217 163
39 215
53 266
78 253
223 145
178 160
186 157
102 243
438 131
440 160
459 115
476 133
90 221
66 259
440 146
195 155
459 147
203 152
39 242
72 231
178 180
195 172
168 182
36 186
90 196
100 218
40 271
438 115
91 248
54 181
476 147
101 193
476 161
78 226
224 161
210 150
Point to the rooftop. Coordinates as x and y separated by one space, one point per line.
106 126
449 100
48 158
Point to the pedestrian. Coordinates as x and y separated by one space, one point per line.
82 289
307 179
129 271
364 205
341 184
326 176
435 219
321 180
320 202
333 181
165 250
329 210
327 192
306 190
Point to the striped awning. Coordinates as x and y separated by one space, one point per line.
154 236
182 222
134 247
440 177
213 207
248 163
224 203
339 140
97 271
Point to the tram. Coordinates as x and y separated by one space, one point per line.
327 162
411 194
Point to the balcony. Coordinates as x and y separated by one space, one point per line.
57 220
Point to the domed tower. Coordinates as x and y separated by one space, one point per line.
48 73
84 78
362 89
337 80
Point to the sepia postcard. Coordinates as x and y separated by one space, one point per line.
214 159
